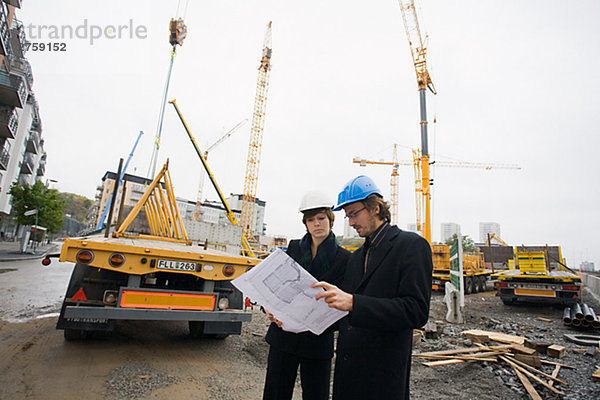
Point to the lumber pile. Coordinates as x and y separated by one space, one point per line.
516 351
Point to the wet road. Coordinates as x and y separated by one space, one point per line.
30 290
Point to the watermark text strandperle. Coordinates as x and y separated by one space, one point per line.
86 31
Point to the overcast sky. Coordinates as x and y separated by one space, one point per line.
517 83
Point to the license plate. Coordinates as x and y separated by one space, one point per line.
176 265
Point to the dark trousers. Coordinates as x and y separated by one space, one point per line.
282 369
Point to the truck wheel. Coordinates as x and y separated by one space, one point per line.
482 284
74 334
468 285
196 329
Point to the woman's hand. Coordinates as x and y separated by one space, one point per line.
272 318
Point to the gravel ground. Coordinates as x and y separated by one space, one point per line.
157 360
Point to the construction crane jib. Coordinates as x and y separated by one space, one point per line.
256 132
418 50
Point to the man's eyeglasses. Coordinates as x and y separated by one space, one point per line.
354 214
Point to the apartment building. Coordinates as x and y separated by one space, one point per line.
22 155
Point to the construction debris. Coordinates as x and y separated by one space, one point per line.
518 352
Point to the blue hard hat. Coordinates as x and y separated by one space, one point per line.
357 189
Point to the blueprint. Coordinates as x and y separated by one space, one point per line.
283 287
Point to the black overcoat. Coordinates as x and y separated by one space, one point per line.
390 299
307 344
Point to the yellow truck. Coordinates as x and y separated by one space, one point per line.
475 274
158 275
538 274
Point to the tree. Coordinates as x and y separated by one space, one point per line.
468 244
77 206
37 197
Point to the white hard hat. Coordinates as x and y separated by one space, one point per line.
314 199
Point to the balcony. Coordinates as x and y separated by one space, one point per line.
4 157
41 170
33 143
20 66
12 90
17 38
4 34
9 122
15 3
27 164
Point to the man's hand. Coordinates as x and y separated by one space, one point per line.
272 318
334 296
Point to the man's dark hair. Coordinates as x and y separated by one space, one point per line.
371 203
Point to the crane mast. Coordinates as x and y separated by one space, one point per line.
256 132
418 51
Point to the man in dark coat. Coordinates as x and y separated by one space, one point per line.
386 289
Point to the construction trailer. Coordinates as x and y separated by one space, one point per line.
538 274
474 271
151 276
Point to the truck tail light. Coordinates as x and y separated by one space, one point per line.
223 303
570 287
228 270
116 259
85 256
500 284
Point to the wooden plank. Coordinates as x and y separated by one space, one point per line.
455 360
539 380
537 371
528 386
532 360
596 376
556 351
544 319
554 374
464 350
496 336
539 346
557 363
519 348
465 358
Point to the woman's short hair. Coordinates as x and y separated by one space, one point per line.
371 203
311 213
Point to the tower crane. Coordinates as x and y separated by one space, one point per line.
210 148
256 132
418 50
422 226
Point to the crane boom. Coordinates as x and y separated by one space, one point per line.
256 132
228 211
210 148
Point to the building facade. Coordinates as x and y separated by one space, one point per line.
486 228
448 229
22 155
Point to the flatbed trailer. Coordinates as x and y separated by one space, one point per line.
142 279
538 276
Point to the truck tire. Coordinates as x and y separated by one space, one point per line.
468 285
74 334
482 283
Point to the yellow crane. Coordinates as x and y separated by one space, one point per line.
418 50
210 148
256 132
422 226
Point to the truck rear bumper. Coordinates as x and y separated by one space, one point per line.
107 313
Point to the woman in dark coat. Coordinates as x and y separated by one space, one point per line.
321 256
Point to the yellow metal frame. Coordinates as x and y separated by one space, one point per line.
161 212
139 256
